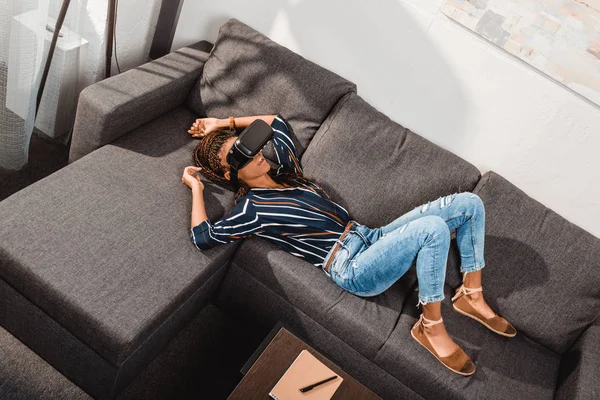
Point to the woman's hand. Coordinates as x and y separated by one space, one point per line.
203 126
190 179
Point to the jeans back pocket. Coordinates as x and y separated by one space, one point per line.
352 245
343 276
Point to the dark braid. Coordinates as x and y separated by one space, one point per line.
206 155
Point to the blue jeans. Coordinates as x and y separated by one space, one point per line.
368 261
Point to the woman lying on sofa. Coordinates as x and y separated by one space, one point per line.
290 209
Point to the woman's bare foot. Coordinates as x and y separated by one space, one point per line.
472 280
477 301
437 335
441 342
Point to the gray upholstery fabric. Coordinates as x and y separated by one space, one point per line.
243 296
542 272
377 169
75 359
507 368
24 375
363 323
110 108
580 367
55 344
102 246
249 74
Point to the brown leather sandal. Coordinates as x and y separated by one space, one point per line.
496 323
458 361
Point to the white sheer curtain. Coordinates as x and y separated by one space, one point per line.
22 35
26 28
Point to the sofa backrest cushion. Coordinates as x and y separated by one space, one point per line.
249 74
542 272
376 168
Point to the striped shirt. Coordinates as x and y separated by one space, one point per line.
303 221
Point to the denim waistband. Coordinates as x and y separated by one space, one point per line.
355 229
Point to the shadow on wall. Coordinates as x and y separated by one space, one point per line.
381 46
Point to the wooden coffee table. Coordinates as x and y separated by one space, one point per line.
270 361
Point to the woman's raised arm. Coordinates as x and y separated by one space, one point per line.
203 126
243 122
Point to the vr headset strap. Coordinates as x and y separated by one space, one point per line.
234 179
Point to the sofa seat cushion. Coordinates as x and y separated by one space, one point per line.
377 169
363 323
102 246
507 368
542 272
249 74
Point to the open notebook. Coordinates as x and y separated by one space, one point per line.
304 371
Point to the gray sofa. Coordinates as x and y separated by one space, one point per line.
98 272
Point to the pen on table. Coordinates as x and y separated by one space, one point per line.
309 387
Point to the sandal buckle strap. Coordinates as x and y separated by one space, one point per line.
465 290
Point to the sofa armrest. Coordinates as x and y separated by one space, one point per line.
111 108
580 366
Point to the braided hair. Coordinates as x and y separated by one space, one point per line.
206 155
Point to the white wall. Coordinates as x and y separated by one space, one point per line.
443 82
